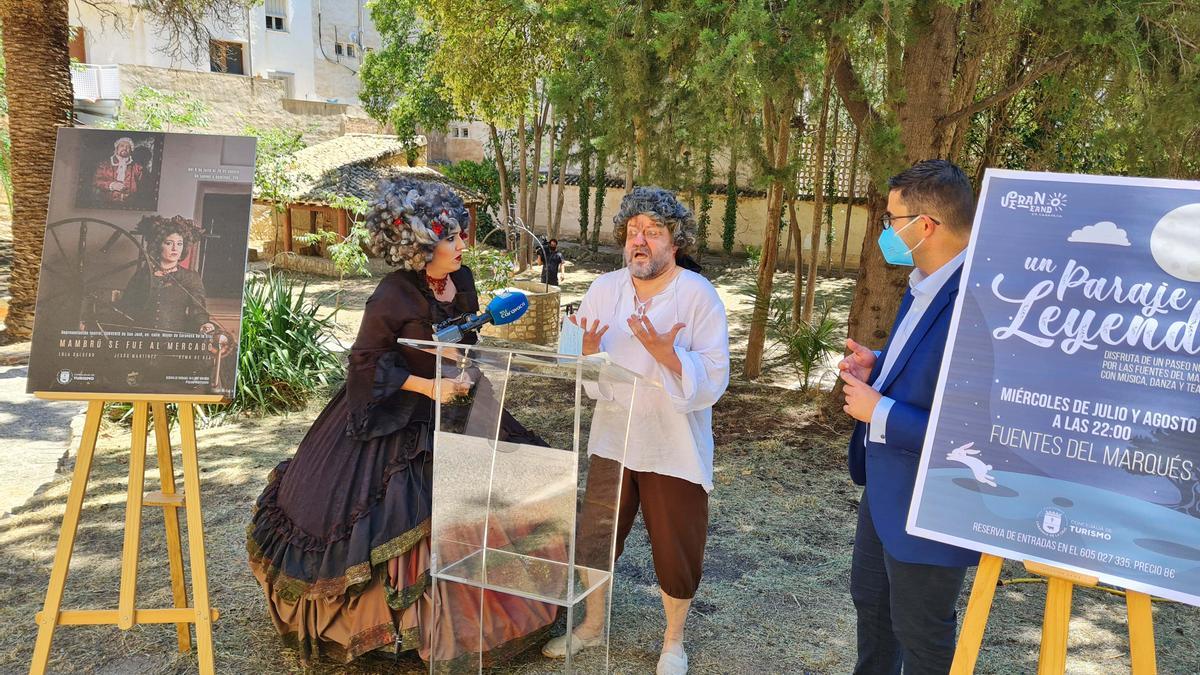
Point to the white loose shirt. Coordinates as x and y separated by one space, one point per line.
670 431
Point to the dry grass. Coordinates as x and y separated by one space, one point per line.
774 596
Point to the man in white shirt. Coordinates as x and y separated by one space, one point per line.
904 587
668 325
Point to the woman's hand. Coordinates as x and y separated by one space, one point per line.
591 335
450 388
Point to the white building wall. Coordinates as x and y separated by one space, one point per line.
137 40
345 22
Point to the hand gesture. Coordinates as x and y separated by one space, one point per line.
451 389
861 398
859 363
591 335
660 345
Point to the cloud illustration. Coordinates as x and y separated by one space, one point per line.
1103 232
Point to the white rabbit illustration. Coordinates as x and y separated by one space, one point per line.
965 455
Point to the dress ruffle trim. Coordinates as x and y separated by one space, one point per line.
280 548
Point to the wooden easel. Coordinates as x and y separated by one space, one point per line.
1060 584
127 613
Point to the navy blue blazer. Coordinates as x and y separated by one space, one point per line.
889 470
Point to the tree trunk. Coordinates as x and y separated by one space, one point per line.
786 258
601 193
797 263
565 151
550 178
585 187
630 167
523 257
38 79
814 259
535 164
643 150
502 169
777 125
850 200
877 295
831 188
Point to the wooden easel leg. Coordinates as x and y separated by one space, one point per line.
48 618
127 599
166 473
1053 658
191 490
1141 634
970 638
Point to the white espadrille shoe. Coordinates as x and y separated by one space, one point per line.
672 663
556 648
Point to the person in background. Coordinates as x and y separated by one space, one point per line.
551 260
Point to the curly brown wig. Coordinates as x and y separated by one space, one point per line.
155 229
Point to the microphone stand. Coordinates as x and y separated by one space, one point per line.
514 221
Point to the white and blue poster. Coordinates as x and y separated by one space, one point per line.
1066 424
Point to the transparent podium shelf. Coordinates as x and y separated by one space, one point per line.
526 482
525 576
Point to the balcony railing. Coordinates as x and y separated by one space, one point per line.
96 83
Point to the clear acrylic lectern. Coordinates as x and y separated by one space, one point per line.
526 482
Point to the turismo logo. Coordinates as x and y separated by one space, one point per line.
64 377
1050 522
1090 530
1049 204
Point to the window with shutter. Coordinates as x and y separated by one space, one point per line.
276 15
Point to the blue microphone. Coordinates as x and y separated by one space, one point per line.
506 307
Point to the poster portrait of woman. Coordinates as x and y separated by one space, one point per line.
166 293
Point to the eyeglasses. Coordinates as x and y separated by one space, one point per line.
887 219
648 232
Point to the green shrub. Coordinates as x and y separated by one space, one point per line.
805 344
493 268
288 352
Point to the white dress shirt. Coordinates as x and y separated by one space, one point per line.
671 428
923 288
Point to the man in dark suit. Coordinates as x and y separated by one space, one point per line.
904 587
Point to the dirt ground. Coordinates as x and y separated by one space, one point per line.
774 597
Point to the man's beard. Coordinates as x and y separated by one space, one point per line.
652 268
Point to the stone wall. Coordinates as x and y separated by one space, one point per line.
235 102
319 266
539 325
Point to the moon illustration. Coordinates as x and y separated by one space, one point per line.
1175 243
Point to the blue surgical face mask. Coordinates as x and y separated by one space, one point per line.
895 251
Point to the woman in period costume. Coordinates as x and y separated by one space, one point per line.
339 540
163 295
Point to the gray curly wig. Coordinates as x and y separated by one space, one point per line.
410 217
664 208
